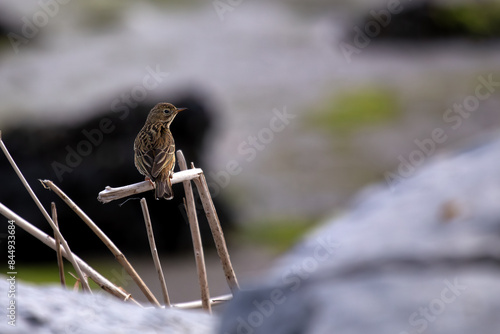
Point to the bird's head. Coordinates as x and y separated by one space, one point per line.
163 112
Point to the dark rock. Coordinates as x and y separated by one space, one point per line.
104 157
11 32
431 20
422 257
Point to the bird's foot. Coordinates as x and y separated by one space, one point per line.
148 179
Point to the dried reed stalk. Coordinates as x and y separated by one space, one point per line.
85 284
110 194
198 303
105 284
195 174
104 238
60 262
196 237
217 234
76 286
154 251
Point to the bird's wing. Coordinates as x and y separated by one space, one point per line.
164 159
144 161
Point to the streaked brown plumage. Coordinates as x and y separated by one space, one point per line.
154 149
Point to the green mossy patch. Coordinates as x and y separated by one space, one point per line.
48 273
349 111
475 20
277 235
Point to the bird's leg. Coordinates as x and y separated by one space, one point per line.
148 179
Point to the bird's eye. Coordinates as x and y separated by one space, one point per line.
166 111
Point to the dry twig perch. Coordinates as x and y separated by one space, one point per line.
198 303
111 194
60 263
85 284
154 251
105 284
217 234
196 174
104 238
196 237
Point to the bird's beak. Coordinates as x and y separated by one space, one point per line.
180 109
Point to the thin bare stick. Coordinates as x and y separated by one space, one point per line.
47 240
60 262
76 286
104 238
217 234
154 251
110 194
195 234
198 303
85 284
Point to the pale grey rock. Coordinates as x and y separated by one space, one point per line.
422 257
50 309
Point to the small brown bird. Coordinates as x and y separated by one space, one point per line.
154 149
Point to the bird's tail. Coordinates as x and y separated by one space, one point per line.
163 187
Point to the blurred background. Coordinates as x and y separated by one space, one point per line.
294 107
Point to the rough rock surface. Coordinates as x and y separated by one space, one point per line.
44 310
421 257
